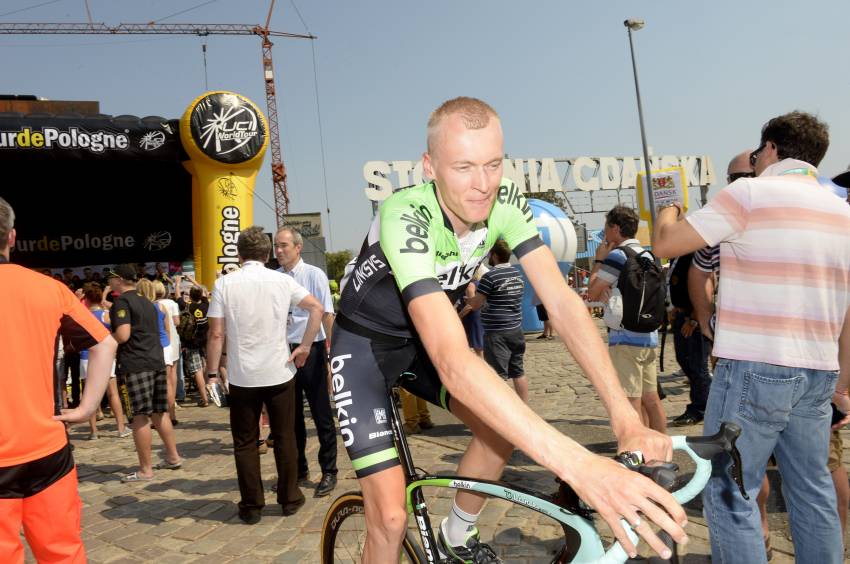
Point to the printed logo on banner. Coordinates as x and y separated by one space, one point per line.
157 241
380 415
227 188
73 138
227 127
152 140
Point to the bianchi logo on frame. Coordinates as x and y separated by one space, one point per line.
227 128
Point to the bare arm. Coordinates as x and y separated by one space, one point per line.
701 291
597 289
474 303
673 236
569 317
122 333
101 357
328 324
604 484
215 343
314 321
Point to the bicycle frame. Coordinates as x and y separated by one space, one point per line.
578 529
583 541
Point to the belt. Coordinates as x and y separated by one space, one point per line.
357 329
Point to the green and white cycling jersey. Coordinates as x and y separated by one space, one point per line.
412 250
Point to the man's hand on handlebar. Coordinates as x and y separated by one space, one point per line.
653 445
618 493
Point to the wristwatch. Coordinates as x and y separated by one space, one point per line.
212 374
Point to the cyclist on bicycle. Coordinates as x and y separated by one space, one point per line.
396 316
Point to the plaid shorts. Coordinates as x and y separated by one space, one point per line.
143 393
193 361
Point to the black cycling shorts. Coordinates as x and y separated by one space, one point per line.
364 368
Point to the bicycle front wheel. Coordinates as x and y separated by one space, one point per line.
344 533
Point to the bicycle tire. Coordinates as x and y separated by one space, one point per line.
344 531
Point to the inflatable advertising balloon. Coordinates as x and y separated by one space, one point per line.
225 136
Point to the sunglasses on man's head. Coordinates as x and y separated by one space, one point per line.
732 177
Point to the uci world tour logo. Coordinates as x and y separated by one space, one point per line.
227 128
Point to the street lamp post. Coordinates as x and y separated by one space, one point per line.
635 24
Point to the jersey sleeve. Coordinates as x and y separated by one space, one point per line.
514 221
78 326
119 314
407 242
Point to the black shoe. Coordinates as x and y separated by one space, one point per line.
292 508
326 485
686 419
250 516
304 479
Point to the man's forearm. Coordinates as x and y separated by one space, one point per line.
314 321
215 343
101 357
700 291
328 324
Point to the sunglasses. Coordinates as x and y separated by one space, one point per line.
755 154
733 176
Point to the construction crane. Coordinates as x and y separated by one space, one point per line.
281 196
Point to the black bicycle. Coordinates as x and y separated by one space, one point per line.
344 529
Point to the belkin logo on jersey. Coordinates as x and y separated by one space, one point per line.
511 195
416 224
458 275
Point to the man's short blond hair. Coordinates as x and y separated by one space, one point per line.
474 113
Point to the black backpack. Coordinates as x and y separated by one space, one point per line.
679 296
643 288
187 328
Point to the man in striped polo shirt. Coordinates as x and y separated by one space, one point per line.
782 335
501 290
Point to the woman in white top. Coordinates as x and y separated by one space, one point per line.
172 351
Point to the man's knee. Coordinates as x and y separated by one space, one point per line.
389 523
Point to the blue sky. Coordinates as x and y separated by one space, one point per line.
558 72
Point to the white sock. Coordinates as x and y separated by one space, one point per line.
457 525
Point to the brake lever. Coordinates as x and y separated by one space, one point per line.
723 441
736 471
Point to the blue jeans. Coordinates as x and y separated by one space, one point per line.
692 355
785 411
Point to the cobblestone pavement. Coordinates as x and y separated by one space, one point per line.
189 515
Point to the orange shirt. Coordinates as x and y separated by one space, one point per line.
34 309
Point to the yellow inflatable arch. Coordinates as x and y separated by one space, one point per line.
225 136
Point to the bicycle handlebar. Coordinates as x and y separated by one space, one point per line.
701 450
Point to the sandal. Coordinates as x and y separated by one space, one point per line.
202 403
166 465
135 477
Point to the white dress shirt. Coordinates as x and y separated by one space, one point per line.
315 281
254 302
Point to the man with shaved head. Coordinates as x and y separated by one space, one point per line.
396 318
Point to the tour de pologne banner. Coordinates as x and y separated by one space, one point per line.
95 190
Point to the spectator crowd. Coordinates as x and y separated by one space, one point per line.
755 295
